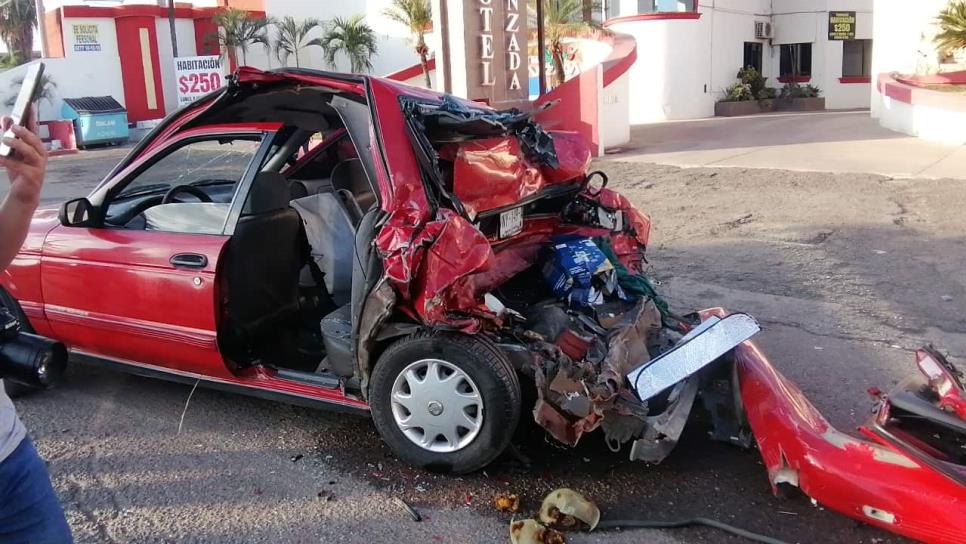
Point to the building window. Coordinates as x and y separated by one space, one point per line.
857 58
612 8
796 60
753 55
663 6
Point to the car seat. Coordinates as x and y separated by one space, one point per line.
330 231
350 175
264 258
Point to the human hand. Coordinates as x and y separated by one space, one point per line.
27 164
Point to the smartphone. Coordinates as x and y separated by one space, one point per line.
27 96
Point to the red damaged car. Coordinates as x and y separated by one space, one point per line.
351 242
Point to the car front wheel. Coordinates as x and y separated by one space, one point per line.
445 402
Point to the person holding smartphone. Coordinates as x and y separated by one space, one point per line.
29 508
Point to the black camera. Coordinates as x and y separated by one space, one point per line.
27 358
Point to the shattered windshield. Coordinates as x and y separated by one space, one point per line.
198 163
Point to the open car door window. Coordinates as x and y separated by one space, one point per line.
188 187
153 279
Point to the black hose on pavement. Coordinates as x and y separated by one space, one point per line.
613 524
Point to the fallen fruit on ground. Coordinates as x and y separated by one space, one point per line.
528 531
506 502
568 510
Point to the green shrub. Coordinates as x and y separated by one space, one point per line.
794 90
767 93
738 92
751 77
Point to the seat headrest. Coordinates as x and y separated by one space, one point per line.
298 190
269 193
349 174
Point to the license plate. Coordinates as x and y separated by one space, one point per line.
511 222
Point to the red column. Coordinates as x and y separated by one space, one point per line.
137 45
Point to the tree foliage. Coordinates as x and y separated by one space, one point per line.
952 27
17 21
293 36
238 30
352 38
564 19
417 16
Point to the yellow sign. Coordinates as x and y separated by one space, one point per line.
841 25
85 38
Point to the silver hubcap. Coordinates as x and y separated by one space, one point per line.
437 406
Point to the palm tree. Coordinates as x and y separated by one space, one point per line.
564 19
952 27
17 20
352 38
416 15
237 30
292 36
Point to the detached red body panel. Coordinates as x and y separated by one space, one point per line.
870 481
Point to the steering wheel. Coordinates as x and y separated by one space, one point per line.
190 189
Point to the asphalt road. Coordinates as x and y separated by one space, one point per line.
848 273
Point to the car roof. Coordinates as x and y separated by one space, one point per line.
395 87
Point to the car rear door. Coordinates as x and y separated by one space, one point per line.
145 296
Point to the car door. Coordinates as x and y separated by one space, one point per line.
147 293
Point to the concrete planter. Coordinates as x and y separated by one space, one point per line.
800 104
732 109
766 105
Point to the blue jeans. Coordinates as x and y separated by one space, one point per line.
29 510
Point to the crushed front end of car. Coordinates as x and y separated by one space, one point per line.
516 241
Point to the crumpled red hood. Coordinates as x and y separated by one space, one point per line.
493 173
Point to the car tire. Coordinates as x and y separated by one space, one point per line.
472 383
12 388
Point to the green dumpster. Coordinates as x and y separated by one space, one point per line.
97 120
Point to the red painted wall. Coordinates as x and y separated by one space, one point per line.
132 70
205 41
577 110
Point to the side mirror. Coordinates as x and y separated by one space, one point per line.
77 213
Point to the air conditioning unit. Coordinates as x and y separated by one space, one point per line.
763 30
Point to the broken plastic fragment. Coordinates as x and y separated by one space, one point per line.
711 339
568 510
528 531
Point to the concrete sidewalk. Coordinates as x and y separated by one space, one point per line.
846 141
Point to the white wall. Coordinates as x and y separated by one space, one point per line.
943 126
615 130
83 73
903 40
728 30
664 86
73 79
903 35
